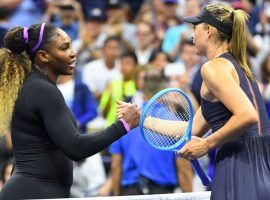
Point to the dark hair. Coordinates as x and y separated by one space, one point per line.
112 38
4 12
185 42
188 42
14 40
155 53
130 54
67 7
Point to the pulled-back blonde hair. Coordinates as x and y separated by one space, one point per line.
13 70
16 63
236 19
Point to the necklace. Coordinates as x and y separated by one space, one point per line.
49 75
43 71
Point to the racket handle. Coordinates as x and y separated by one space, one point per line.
204 178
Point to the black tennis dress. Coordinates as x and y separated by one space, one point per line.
45 141
242 169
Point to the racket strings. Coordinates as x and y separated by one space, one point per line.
167 119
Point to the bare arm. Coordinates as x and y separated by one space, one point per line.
166 127
200 126
106 189
194 102
184 174
222 82
170 127
232 96
116 167
162 126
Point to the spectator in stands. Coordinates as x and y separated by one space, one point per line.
153 12
138 97
79 99
88 177
262 39
187 64
121 89
171 18
89 6
98 73
4 23
252 8
134 7
67 15
174 35
159 60
265 83
146 42
26 12
90 42
117 25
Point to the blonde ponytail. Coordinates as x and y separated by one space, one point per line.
238 40
14 69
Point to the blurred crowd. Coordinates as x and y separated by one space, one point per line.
128 50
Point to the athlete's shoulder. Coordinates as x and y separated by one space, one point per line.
36 85
215 67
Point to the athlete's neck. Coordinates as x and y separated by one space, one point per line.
216 51
47 73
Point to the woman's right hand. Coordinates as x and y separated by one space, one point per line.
129 112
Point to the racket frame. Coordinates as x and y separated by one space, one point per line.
186 136
206 180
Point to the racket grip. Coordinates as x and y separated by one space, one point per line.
206 181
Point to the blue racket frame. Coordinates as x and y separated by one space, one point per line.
186 137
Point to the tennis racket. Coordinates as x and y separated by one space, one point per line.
166 123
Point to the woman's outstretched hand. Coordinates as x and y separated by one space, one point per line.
129 112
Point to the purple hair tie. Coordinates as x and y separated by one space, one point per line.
25 35
40 37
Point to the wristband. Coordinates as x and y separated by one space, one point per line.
127 127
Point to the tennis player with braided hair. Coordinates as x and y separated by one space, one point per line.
44 133
231 106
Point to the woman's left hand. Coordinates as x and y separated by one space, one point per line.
195 148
